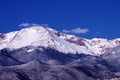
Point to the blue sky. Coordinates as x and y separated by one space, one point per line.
100 17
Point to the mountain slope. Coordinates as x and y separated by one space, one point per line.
52 65
112 57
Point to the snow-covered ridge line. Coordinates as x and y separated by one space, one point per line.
47 37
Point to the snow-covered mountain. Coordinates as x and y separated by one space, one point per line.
39 53
49 38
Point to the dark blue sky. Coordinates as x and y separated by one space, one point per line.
101 17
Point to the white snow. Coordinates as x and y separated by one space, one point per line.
46 37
